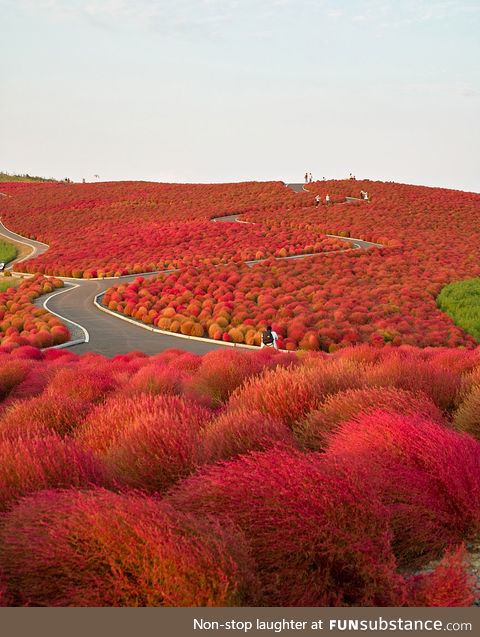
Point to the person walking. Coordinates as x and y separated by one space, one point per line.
327 200
269 338
317 200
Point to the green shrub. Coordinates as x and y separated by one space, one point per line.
461 301
8 251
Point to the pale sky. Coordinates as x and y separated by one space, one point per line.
233 90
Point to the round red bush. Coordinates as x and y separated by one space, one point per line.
306 527
316 429
221 372
426 474
449 584
467 416
148 442
238 432
29 465
288 394
42 415
97 548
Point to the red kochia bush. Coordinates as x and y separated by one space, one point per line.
439 383
449 584
319 539
315 431
29 465
5 599
12 373
288 394
426 474
42 415
97 548
156 379
237 432
34 383
148 442
467 416
79 381
221 372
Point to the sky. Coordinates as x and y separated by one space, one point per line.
235 90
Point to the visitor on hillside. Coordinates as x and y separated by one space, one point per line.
310 178
317 200
366 195
306 178
327 200
269 338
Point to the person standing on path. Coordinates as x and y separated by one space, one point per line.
306 178
310 178
269 338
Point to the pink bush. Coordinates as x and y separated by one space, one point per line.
29 465
307 528
97 548
315 430
426 474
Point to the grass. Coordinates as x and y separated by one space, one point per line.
9 282
461 301
8 251
26 177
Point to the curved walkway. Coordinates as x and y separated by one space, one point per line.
104 332
37 247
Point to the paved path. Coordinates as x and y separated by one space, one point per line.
357 243
108 334
37 247
296 187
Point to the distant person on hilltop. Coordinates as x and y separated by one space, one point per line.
306 178
269 338
310 178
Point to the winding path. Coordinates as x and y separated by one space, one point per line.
102 331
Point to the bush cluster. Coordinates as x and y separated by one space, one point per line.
254 479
